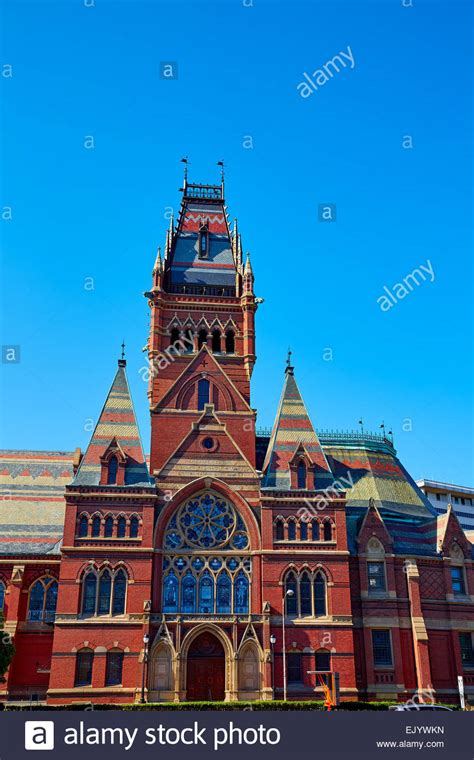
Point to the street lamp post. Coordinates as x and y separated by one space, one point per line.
272 647
288 593
146 639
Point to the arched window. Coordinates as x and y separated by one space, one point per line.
83 527
89 590
241 594
303 530
327 530
301 472
2 595
105 590
51 602
174 337
224 593
203 393
230 342
121 527
109 527
206 593
114 667
202 338
170 593
84 664
280 530
188 593
323 660
216 342
134 524
112 471
43 598
315 530
120 590
95 526
320 595
291 530
291 584
189 340
305 595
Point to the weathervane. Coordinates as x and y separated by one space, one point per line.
123 350
289 368
186 163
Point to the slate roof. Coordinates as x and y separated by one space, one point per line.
184 266
32 505
292 430
117 422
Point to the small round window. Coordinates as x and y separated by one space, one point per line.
208 443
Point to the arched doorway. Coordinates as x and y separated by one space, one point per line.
205 674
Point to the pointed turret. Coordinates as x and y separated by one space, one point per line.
158 271
293 439
116 435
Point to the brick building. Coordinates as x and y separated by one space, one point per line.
197 545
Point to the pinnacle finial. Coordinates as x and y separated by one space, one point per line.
248 265
122 361
289 369
158 261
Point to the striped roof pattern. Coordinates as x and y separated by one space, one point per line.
292 430
378 475
32 505
117 424
185 265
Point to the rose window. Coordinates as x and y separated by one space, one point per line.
207 521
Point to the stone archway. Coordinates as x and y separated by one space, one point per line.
206 669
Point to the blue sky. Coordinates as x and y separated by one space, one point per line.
98 213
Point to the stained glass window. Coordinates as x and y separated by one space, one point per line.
305 594
206 593
105 588
241 594
320 596
188 593
51 602
170 593
120 590
43 598
2 595
207 521
291 599
89 593
224 591
303 530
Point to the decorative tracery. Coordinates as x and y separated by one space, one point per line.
206 521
